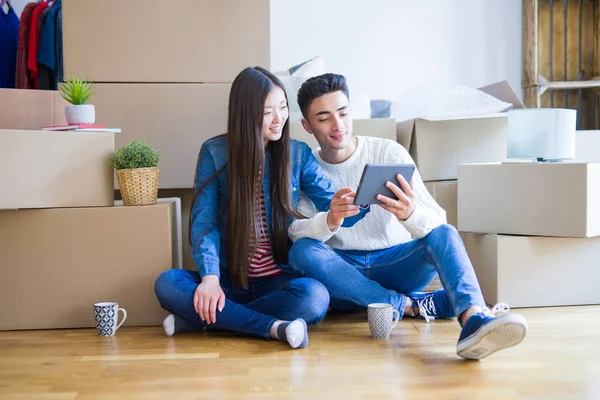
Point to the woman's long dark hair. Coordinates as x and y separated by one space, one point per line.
246 155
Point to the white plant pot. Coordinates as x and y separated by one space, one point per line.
80 114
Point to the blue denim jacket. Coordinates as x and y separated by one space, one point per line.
209 212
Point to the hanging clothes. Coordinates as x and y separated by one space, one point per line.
23 81
47 56
58 77
9 32
44 72
32 45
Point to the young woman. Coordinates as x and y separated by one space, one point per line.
247 186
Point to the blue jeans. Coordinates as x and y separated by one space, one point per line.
251 312
356 278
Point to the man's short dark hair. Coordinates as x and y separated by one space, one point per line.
317 86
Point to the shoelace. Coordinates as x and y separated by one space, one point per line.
427 307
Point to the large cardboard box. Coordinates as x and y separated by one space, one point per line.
438 146
445 193
31 109
153 41
57 263
545 199
377 127
174 118
526 271
41 169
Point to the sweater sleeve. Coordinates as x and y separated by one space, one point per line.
427 215
314 227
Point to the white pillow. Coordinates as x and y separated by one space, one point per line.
313 67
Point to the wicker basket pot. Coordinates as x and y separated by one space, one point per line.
139 186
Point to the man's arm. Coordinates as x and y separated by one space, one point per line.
314 226
315 184
323 225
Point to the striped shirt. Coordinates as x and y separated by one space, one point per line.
262 264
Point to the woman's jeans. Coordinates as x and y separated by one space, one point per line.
356 278
252 312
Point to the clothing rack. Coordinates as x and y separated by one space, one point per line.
31 46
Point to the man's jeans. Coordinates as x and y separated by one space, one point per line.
357 278
251 312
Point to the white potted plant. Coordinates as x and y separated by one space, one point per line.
77 92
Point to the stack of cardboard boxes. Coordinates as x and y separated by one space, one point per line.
533 231
64 245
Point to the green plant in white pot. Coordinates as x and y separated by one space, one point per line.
136 166
78 92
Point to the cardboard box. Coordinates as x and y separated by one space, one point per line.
57 263
177 242
587 146
378 127
42 169
438 146
525 271
176 119
182 41
547 199
31 109
445 193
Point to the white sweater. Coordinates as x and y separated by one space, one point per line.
379 229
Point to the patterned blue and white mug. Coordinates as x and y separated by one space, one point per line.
382 319
106 316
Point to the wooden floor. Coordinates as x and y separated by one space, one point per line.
560 359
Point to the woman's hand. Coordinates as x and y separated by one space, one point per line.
208 297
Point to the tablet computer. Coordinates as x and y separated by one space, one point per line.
374 177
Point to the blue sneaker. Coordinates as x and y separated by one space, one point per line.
429 306
484 333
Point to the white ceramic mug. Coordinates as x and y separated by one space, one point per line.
382 319
106 315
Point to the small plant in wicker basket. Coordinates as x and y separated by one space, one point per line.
137 173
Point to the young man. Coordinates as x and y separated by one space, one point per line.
396 250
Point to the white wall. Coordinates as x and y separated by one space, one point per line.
19 5
386 46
